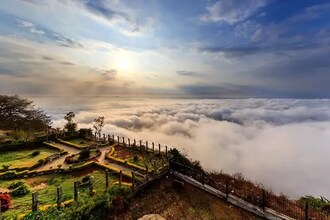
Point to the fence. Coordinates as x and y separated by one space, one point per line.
253 195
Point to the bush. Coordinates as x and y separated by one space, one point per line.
16 184
136 158
82 142
9 175
5 202
85 179
84 154
20 191
35 153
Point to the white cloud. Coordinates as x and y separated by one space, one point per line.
232 11
282 143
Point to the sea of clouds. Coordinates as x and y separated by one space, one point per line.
282 143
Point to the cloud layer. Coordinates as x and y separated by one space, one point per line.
282 143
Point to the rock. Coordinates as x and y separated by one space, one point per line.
152 217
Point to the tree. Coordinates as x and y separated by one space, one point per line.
98 124
70 126
20 114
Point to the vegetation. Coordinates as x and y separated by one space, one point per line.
319 203
5 202
70 125
20 114
23 157
20 190
84 154
46 186
98 124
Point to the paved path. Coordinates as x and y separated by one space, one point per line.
104 150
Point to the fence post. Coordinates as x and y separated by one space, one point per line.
100 137
104 139
133 181
153 147
91 187
124 141
159 149
147 173
263 200
134 143
113 138
140 145
166 151
147 146
129 142
306 211
34 201
120 177
109 138
227 189
117 140
59 197
75 188
106 179
203 176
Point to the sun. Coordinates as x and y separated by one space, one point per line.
125 63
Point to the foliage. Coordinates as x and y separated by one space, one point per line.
136 158
70 126
5 202
21 190
19 114
16 184
85 132
320 203
84 154
98 124
35 153
9 174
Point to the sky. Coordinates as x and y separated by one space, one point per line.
186 48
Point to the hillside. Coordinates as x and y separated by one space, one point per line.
187 203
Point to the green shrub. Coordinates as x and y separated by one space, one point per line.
20 191
35 153
9 175
84 154
136 158
16 184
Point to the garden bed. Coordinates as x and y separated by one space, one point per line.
136 159
83 156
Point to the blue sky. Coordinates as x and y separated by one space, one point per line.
191 48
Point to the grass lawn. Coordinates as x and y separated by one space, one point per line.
46 187
20 158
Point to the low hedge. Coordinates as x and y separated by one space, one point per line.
71 144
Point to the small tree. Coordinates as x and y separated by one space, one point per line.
70 126
98 124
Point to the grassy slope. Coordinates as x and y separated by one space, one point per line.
23 157
188 203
